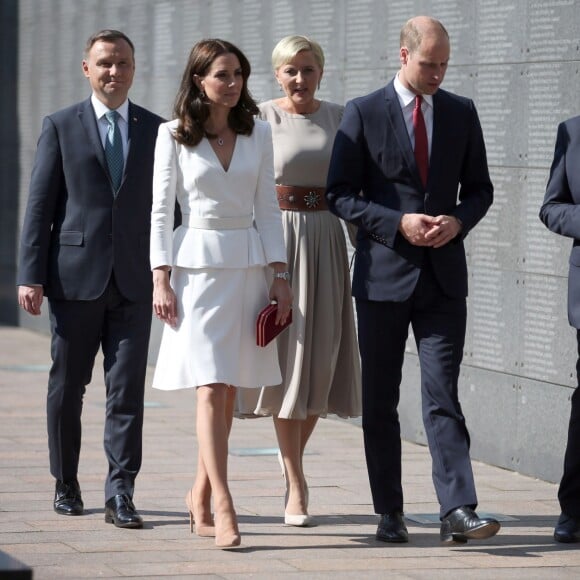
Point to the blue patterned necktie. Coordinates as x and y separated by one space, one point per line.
114 149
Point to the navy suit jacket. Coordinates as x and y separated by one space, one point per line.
77 230
373 179
560 211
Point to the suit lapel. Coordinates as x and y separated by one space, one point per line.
438 145
135 129
89 122
397 126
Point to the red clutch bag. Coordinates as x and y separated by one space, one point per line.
266 327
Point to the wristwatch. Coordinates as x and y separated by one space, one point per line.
282 275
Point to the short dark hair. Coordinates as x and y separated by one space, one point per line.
190 106
107 35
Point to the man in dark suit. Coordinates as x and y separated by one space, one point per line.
85 245
412 174
559 213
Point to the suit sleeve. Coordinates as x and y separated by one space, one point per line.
559 213
346 180
476 191
46 185
164 196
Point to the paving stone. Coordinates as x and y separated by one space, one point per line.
341 545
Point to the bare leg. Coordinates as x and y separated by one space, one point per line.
213 425
293 435
306 431
230 403
200 494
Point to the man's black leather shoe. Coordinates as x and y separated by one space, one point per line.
67 498
119 510
392 528
463 524
567 529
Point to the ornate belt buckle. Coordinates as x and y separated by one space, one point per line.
311 199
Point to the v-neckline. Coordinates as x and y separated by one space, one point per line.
217 157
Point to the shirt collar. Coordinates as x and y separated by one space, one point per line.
100 108
406 96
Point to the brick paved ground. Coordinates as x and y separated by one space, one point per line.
342 545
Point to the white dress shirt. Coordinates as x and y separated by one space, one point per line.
407 102
123 122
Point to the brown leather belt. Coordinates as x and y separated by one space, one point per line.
295 198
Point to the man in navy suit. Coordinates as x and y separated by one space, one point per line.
85 245
559 213
413 209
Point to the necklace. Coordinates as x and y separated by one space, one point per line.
220 141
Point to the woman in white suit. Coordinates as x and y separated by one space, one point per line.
216 161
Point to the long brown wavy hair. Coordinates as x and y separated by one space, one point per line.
191 108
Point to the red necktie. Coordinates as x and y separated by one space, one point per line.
421 146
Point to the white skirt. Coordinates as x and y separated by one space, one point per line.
215 337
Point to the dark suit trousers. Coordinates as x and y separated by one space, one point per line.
438 324
569 491
79 328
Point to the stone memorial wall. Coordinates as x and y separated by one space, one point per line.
519 60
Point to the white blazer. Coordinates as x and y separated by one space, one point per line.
231 219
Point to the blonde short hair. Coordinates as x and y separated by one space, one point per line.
290 46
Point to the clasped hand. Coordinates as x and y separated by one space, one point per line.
425 230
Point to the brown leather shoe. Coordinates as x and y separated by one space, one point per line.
67 498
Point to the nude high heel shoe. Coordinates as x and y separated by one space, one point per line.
203 530
227 534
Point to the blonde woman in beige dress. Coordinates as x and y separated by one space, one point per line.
318 354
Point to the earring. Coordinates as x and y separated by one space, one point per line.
201 95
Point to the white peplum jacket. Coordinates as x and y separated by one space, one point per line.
231 219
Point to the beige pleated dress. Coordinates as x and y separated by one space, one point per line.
318 354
